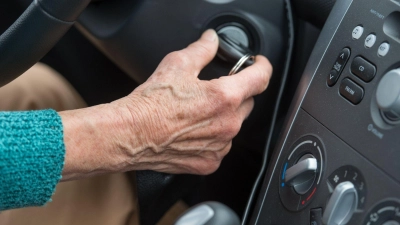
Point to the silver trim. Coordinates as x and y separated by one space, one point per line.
322 165
298 146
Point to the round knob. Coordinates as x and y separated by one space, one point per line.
209 213
341 205
388 95
391 222
301 176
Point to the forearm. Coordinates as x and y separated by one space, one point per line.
92 138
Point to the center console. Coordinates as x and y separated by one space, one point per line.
338 161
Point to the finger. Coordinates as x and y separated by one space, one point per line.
202 51
251 81
246 108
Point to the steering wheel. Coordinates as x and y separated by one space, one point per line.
34 33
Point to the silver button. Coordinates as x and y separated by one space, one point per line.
383 49
357 32
370 40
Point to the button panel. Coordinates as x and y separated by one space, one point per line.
351 91
338 67
342 111
363 69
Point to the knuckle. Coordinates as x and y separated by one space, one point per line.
178 58
230 98
229 129
234 128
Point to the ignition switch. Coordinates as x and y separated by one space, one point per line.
234 45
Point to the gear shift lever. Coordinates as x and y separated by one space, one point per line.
209 213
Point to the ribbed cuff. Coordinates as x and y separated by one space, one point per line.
31 157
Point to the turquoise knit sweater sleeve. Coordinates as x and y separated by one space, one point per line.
31 157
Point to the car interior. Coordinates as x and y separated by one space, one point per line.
322 144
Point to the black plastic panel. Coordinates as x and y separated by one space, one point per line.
338 154
136 35
354 123
355 137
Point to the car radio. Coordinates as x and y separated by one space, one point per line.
338 161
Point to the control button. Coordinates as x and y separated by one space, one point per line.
388 95
357 32
343 56
351 91
383 49
338 67
341 205
332 78
301 176
370 40
316 216
363 69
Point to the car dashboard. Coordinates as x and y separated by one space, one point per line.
334 146
337 160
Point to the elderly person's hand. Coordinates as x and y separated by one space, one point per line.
172 123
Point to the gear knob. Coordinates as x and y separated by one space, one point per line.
209 213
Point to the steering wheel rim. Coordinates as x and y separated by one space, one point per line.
35 33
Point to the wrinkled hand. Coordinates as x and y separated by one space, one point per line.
186 125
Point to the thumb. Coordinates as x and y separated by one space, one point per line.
203 51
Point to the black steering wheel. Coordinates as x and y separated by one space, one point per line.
34 33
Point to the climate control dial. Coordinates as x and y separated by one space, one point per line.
301 173
384 213
353 175
301 176
348 192
341 205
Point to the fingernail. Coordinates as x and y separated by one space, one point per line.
210 35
